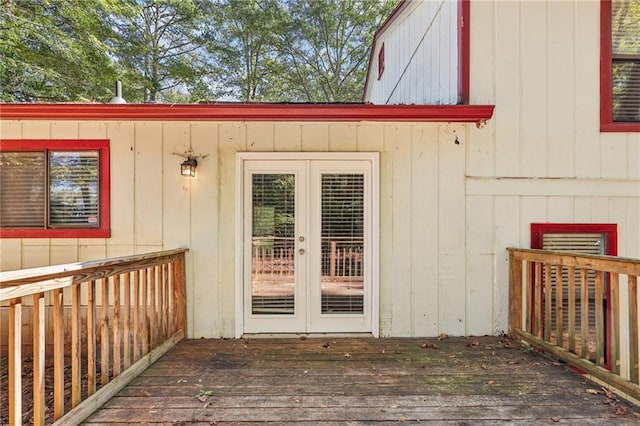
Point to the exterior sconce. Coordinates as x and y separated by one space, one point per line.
188 167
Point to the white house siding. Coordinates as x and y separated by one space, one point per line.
421 56
542 158
423 289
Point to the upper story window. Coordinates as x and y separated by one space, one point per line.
381 61
620 65
54 189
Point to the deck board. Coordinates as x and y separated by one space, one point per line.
359 381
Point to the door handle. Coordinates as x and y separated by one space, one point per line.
301 251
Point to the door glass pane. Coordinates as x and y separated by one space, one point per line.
342 286
272 241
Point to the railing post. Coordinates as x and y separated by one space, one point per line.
179 280
515 294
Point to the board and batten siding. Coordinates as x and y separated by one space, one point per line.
421 56
423 288
543 158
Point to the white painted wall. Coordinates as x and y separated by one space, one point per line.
542 158
421 56
423 290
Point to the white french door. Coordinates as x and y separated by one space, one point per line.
307 243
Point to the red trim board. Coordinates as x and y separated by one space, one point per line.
248 112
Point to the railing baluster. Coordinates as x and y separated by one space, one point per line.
76 336
104 333
117 341
136 316
559 307
633 328
547 302
528 290
571 271
15 362
58 355
38 359
599 299
126 321
91 337
584 314
152 307
165 303
161 271
144 320
615 322
538 299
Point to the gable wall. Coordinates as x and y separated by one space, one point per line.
421 57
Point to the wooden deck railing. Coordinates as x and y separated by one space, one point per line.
107 319
582 309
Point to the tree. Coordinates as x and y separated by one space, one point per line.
56 50
295 50
326 47
244 48
160 47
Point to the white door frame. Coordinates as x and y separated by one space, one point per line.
372 157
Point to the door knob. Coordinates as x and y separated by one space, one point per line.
301 251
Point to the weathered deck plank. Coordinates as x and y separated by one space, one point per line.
359 381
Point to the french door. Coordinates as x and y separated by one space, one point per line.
307 245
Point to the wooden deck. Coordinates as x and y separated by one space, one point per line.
327 381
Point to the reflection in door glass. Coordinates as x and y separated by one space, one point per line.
342 286
273 232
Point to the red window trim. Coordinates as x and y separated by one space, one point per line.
606 79
105 189
610 229
464 48
381 61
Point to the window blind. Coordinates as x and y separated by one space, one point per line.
22 189
342 243
625 49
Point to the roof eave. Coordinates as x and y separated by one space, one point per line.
248 112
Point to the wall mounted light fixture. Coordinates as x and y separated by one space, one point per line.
188 167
